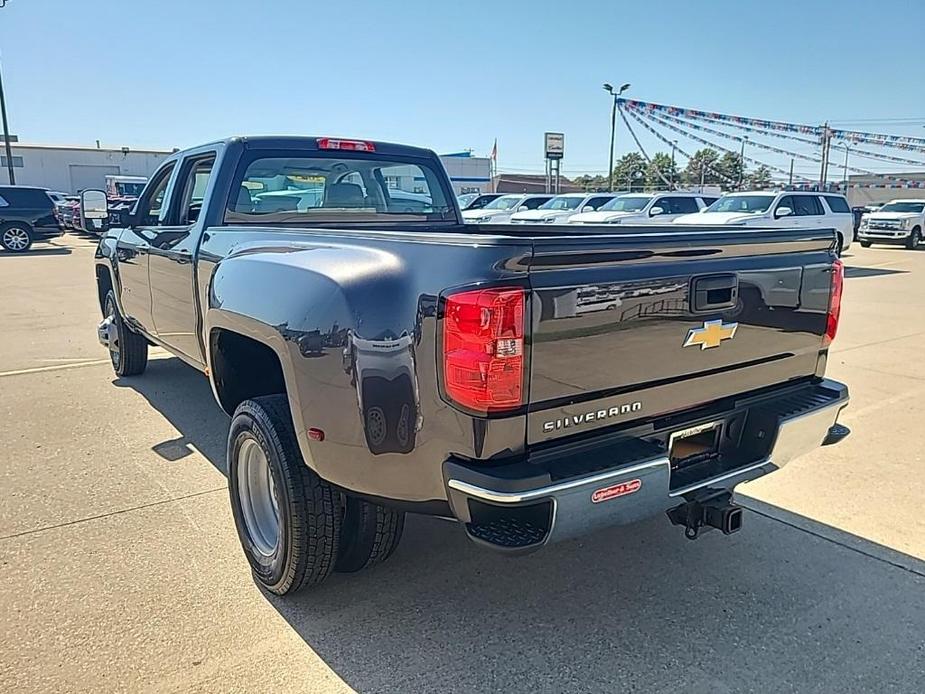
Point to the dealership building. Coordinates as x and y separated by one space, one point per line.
70 169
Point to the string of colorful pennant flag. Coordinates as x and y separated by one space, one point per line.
673 117
904 142
683 153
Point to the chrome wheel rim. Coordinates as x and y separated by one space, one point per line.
257 495
16 239
115 337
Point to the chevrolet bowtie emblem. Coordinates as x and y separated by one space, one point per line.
711 334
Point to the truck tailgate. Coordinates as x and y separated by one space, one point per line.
644 323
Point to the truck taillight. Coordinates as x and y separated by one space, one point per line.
838 280
349 145
483 348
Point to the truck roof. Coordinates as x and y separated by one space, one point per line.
311 143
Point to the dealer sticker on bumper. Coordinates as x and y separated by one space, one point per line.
615 490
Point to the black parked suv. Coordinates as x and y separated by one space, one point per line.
26 215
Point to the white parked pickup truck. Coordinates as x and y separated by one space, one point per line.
782 209
899 221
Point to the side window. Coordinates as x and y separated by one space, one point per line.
596 203
786 201
533 203
3 203
708 201
408 189
198 173
152 208
663 203
837 204
682 205
806 206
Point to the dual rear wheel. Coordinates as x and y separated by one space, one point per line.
296 528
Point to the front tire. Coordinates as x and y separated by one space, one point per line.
865 244
16 237
288 518
369 534
128 351
915 238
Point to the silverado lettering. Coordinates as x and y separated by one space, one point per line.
596 415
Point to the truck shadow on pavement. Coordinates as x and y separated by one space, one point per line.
783 605
853 272
183 396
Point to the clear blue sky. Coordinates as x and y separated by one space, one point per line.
449 75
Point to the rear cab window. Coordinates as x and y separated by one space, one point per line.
330 187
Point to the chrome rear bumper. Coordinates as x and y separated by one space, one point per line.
539 513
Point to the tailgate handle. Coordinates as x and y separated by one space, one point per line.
715 292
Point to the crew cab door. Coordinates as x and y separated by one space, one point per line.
172 264
133 247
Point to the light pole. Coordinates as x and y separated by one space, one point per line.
742 163
613 123
6 132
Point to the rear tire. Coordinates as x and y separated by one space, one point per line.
865 244
267 477
16 237
840 240
915 238
130 356
369 534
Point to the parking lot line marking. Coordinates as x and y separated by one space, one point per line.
73 365
33 531
53 367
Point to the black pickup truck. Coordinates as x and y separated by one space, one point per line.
532 383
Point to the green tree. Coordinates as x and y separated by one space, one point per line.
732 167
760 178
702 166
592 183
661 162
629 172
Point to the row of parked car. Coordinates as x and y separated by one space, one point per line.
30 213
783 209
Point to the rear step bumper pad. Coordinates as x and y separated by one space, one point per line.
500 514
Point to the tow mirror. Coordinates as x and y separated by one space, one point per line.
783 212
94 210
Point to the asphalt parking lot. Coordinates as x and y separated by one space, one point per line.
120 568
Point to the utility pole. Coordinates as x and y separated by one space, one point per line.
742 163
790 185
845 173
613 124
702 169
674 146
6 135
824 169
